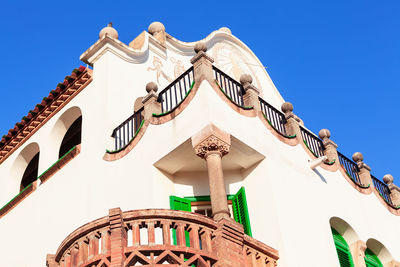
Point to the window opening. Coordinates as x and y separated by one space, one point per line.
31 172
72 137
342 249
371 260
202 204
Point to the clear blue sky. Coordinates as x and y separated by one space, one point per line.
338 62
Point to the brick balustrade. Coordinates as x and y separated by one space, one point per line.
161 237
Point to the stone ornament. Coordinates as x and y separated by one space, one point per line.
211 144
151 87
287 107
200 46
156 27
246 79
324 134
388 179
358 158
109 31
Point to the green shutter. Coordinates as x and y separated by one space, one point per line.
240 210
371 260
342 249
177 203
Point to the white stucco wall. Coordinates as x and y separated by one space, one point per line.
289 204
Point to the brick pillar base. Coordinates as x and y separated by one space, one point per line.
228 244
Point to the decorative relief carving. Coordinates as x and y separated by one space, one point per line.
211 144
158 68
233 62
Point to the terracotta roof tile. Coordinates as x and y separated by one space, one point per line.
48 106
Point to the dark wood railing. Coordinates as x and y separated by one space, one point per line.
124 132
383 189
312 142
274 116
174 93
231 88
350 167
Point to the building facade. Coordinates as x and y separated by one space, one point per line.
184 154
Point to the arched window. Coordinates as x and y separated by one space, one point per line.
31 172
371 260
72 137
342 249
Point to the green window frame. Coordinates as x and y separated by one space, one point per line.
371 260
239 207
342 249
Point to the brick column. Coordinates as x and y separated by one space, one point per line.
118 237
330 147
250 98
394 190
364 171
150 101
292 121
228 244
212 144
358 252
202 63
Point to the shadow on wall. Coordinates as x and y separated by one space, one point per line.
66 132
379 250
25 168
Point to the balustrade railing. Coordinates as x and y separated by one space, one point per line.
350 167
171 96
383 189
147 232
231 88
274 116
312 142
124 132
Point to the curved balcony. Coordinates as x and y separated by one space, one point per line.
159 237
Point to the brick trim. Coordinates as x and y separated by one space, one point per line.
18 199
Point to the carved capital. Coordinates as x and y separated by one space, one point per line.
212 145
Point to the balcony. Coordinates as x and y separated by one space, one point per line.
161 238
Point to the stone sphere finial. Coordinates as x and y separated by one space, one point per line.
286 107
151 86
358 157
109 30
156 27
200 46
324 134
388 179
245 79
225 29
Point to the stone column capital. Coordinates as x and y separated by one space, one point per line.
212 145
211 140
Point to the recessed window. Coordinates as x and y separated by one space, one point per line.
31 172
201 204
72 137
342 249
